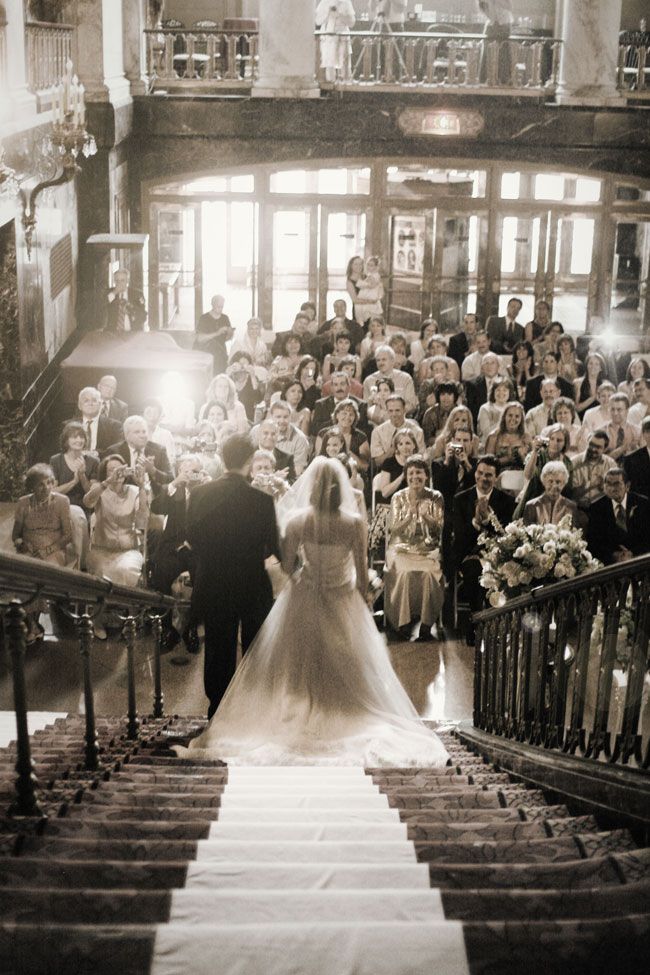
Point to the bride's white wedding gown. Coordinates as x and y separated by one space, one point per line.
316 686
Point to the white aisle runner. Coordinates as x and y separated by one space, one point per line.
307 871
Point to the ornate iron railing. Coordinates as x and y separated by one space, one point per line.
440 60
565 667
48 49
23 583
206 58
633 75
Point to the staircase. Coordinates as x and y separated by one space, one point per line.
163 865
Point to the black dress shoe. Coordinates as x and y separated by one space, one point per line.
170 639
191 638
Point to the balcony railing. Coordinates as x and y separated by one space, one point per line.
425 61
634 70
209 58
49 47
565 667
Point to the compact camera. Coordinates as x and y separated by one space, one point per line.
457 447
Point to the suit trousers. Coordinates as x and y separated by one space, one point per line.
222 621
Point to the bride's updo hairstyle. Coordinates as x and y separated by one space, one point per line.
326 495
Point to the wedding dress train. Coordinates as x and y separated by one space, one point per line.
316 686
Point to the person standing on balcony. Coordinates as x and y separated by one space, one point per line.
498 14
391 12
335 18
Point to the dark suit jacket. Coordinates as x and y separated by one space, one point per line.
476 394
322 414
499 341
175 508
458 347
604 536
108 432
117 410
135 309
280 338
465 534
533 395
162 473
637 468
232 530
356 331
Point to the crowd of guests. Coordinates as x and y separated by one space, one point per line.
442 436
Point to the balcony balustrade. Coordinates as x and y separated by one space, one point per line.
210 59
48 48
634 70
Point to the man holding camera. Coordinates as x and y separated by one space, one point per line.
450 475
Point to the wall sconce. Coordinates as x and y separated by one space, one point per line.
8 181
67 139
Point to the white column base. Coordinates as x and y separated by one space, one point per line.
591 96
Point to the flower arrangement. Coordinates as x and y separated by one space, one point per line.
521 556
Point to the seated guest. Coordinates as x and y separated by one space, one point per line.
392 476
589 469
477 391
216 426
385 359
463 342
381 438
459 418
249 389
624 437
348 365
376 336
563 411
349 324
540 416
504 330
552 447
637 369
569 366
434 369
640 407
450 475
549 341
284 364
112 407
264 476
637 464
322 412
292 393
222 388
148 461
121 510
540 322
619 523
100 430
378 400
332 361
308 308
213 330
437 349
308 375
473 509
550 507
290 439
173 554
510 443
329 443
597 417
446 396
523 367
491 412
586 387
355 443
42 529
253 344
399 345
301 329
418 351
413 577
471 365
267 435
75 470
549 370
152 411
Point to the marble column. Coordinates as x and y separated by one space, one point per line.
17 103
134 22
590 30
98 54
287 50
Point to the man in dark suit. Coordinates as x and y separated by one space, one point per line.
125 309
112 407
619 522
472 510
300 329
137 450
477 391
504 330
100 430
637 464
232 530
461 342
533 395
343 323
451 475
322 415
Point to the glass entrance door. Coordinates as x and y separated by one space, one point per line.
175 279
229 256
342 237
409 293
458 279
293 262
630 307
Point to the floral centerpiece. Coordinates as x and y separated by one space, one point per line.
521 556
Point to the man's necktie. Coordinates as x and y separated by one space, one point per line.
105 407
620 437
621 521
121 312
89 433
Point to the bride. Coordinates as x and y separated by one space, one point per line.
316 687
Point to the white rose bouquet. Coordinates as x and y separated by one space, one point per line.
519 557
